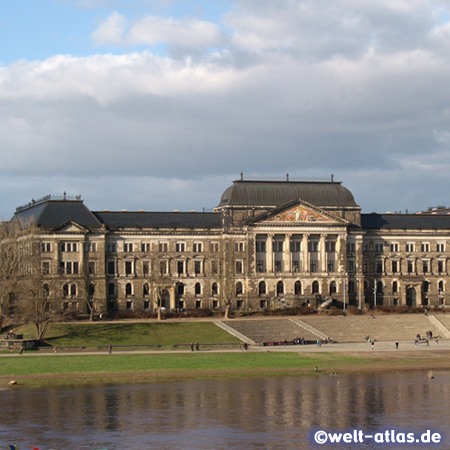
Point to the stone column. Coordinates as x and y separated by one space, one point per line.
269 259
322 253
305 254
172 297
287 254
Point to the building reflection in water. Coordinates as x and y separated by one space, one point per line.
253 413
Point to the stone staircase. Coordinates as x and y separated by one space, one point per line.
395 327
269 330
442 324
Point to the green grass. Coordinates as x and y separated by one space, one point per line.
199 363
103 333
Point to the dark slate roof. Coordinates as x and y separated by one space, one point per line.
404 222
53 213
276 193
144 219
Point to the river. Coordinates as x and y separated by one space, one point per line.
263 413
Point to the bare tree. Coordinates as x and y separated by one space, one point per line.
15 240
36 291
87 285
160 282
226 275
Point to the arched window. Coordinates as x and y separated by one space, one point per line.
111 289
380 287
298 288
145 290
280 288
426 286
262 288
128 289
65 290
394 287
214 289
315 287
239 289
180 289
441 286
198 289
91 291
333 288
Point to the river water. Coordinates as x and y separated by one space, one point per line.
264 413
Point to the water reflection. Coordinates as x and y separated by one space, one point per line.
273 413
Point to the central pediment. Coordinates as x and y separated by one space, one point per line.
298 212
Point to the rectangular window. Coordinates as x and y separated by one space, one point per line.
163 246
260 246
426 266
69 247
163 267
46 247
365 247
330 246
425 247
440 248
260 266
180 267
330 266
365 266
394 266
145 267
240 246
378 247
180 247
350 247
110 247
239 267
379 266
410 266
90 247
295 246
295 266
440 266
394 247
128 267
214 267
313 246
198 247
409 247
313 266
128 247
278 266
214 247
197 267
350 266
111 267
46 268
277 246
91 267
145 247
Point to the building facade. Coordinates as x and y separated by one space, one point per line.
267 245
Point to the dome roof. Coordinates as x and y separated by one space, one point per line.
276 193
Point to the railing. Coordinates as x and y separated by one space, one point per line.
47 198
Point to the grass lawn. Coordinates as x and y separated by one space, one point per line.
37 370
163 334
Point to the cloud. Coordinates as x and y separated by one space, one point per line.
153 30
305 87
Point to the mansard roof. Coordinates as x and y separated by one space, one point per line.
247 193
144 219
50 213
404 222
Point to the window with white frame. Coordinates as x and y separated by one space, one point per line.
240 246
69 246
110 246
394 247
277 246
410 247
214 247
378 247
180 247
163 246
46 247
197 247
90 247
440 247
128 247
145 247
425 247
69 267
260 246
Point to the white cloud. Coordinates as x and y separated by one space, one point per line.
310 87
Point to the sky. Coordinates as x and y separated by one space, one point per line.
160 104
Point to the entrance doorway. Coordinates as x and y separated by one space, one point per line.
411 297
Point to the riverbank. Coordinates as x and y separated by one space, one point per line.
44 370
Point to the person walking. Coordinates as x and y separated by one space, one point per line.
396 345
373 343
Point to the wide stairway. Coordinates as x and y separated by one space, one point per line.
395 327
270 330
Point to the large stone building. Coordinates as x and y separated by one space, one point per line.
289 243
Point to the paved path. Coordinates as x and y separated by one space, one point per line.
363 347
